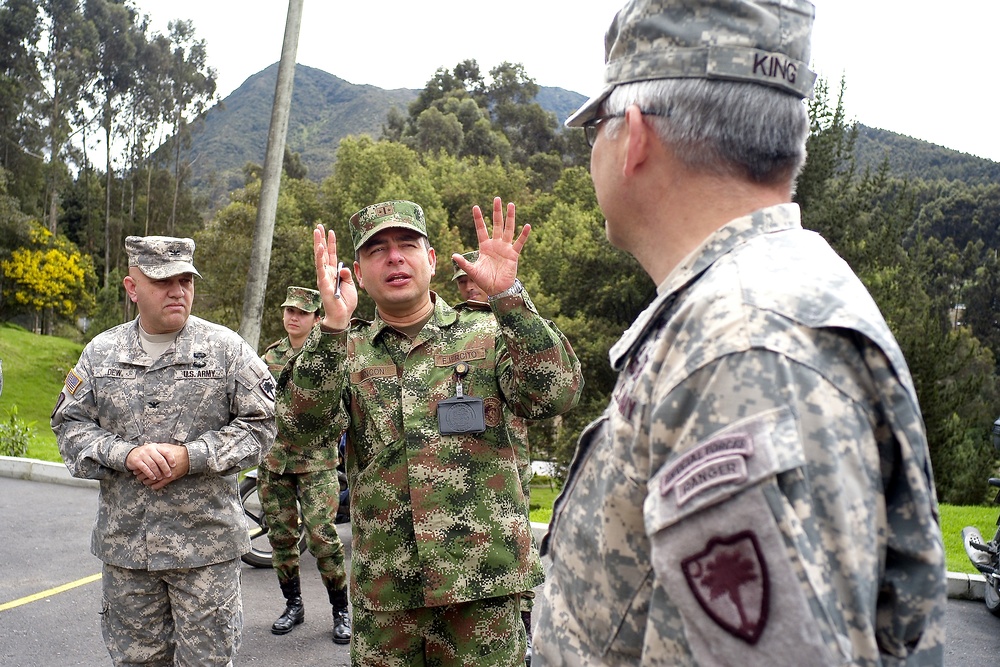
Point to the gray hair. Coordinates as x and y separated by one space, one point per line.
725 127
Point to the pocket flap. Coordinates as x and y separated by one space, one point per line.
731 460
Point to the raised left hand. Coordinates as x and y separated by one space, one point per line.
496 268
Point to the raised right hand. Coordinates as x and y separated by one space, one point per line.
336 311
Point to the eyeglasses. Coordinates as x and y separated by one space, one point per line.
590 127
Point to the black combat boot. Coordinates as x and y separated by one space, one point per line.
294 612
341 616
526 619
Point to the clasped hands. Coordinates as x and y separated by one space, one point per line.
157 464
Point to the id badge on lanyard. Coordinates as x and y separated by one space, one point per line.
461 414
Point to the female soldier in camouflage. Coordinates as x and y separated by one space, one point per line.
303 471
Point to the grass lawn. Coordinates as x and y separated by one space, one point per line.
543 495
34 369
956 517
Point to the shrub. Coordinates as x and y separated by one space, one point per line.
15 434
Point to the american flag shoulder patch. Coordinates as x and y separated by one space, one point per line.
73 382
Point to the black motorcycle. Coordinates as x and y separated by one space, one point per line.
260 547
985 556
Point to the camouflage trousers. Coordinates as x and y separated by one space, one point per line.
191 617
319 495
481 633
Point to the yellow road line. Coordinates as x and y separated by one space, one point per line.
49 593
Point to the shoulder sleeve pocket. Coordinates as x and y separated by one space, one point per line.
732 554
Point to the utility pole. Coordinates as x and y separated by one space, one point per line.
260 255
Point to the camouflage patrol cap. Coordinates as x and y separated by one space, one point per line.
160 257
303 298
763 41
397 213
471 256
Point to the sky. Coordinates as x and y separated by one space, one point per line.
922 72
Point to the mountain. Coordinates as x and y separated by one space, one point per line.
917 159
324 109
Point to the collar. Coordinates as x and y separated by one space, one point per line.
718 244
442 316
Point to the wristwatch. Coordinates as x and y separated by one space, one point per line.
516 288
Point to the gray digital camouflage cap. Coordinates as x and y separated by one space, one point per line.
765 42
397 213
471 256
160 257
303 298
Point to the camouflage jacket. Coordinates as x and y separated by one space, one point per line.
759 489
313 449
436 519
209 392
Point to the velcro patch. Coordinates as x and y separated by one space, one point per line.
364 374
200 374
729 580
494 411
470 354
709 474
702 457
73 382
267 387
116 372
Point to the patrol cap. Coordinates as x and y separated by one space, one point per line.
160 257
762 41
397 213
471 256
303 298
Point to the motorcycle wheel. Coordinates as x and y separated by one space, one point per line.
260 547
991 596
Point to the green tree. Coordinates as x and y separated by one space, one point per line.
224 251
116 67
869 218
591 290
192 89
67 65
49 274
21 138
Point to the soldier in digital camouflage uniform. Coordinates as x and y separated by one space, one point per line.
442 546
165 411
759 489
518 430
303 470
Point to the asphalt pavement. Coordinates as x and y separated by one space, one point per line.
50 589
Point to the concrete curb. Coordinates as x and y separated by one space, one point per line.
966 586
41 471
960 586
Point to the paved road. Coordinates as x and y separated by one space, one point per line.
45 545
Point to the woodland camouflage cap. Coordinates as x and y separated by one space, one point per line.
303 298
471 256
766 42
397 213
161 257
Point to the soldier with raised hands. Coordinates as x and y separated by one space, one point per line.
442 546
